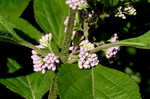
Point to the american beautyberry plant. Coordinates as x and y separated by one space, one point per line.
68 44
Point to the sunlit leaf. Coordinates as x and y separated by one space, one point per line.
50 15
19 29
97 83
4 37
32 86
13 7
142 41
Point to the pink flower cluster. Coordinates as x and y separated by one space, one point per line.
111 52
87 60
37 61
50 61
40 64
76 3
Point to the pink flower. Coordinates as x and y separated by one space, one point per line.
111 52
87 60
41 64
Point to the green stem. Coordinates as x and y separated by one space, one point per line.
101 47
49 46
53 92
31 46
105 46
68 35
86 30
27 44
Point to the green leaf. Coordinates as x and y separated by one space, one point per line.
20 30
97 83
50 15
32 86
9 24
13 7
4 37
137 42
142 41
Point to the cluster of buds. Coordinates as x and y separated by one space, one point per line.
85 44
42 63
86 59
50 61
37 61
74 4
128 10
111 52
45 41
120 14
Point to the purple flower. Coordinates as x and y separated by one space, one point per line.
41 64
87 60
114 38
111 52
37 61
